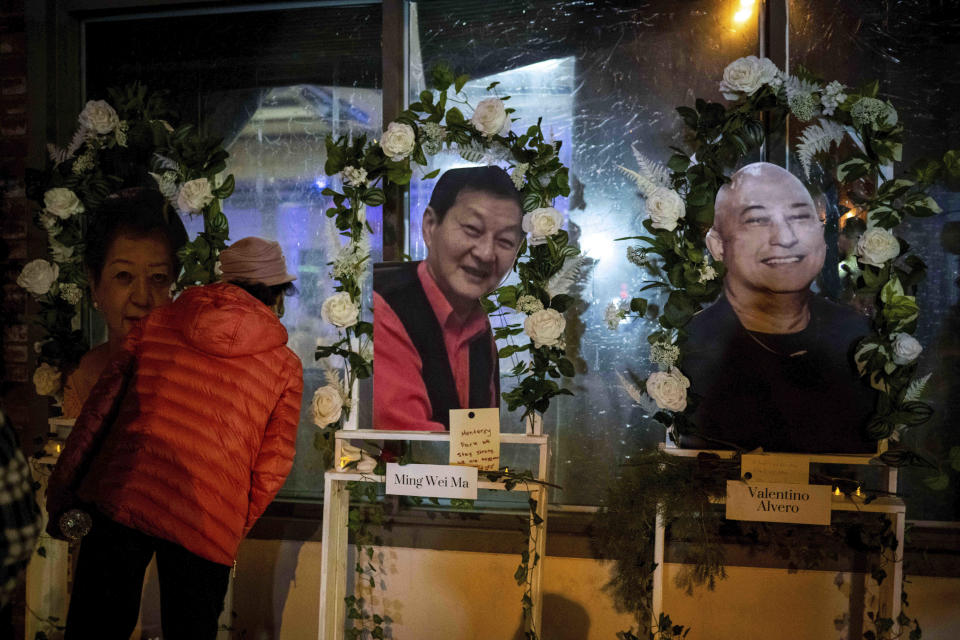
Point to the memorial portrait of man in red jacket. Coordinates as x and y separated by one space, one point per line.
434 349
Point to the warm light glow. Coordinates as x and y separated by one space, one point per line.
344 461
744 12
858 491
836 491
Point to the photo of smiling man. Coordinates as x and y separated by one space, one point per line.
433 346
771 363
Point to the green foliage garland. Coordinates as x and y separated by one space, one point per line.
367 167
856 137
115 146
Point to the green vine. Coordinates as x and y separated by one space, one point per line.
367 513
648 487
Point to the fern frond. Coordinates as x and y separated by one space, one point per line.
644 184
472 153
561 281
818 138
654 171
916 388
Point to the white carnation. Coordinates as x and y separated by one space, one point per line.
545 328
746 75
46 380
62 203
340 311
541 224
906 348
668 389
194 196
99 117
327 405
877 246
398 141
38 276
665 207
490 117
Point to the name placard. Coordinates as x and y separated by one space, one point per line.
432 481
778 502
773 467
475 438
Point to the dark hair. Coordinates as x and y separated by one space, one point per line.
136 212
491 180
267 294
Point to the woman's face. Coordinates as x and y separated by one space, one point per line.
136 277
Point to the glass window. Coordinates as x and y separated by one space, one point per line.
273 84
603 76
912 50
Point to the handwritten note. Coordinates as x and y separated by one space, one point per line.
475 438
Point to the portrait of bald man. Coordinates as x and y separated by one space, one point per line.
771 362
433 346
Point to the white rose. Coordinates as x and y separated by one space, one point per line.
38 276
490 117
339 310
327 405
398 141
906 348
62 203
876 246
98 116
747 75
668 389
665 207
545 328
541 224
46 380
194 195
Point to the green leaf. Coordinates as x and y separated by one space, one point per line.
374 197
491 86
678 163
460 81
432 174
937 482
441 76
638 305
454 116
566 368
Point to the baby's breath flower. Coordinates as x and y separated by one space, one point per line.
529 304
664 354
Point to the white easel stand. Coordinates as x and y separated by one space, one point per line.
336 503
895 507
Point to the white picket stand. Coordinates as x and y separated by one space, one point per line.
894 507
333 559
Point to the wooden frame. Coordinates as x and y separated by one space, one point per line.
890 593
333 559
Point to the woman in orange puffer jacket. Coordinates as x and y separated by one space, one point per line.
183 443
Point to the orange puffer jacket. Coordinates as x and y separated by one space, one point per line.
206 400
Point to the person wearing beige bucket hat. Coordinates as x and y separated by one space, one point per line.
182 444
